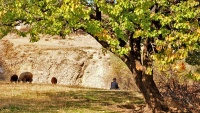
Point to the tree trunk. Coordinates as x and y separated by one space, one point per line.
148 88
98 14
145 82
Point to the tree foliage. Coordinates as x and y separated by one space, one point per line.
193 57
174 25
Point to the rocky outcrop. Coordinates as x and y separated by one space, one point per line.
76 60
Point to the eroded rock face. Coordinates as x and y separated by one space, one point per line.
76 60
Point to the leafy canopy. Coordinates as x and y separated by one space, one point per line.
173 25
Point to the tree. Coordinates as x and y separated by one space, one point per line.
139 31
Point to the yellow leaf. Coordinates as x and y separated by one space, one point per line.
137 33
198 30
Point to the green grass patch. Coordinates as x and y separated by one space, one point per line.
45 98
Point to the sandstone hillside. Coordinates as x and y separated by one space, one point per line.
75 60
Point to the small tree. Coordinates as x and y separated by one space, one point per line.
139 31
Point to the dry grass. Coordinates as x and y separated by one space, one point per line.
47 98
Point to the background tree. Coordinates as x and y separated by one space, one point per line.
139 31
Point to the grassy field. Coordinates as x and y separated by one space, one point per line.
47 98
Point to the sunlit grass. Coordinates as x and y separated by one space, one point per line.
47 98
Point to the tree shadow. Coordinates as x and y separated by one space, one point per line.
74 100
95 99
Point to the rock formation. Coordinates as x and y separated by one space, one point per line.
75 60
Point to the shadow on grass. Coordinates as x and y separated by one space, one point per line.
70 101
92 99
